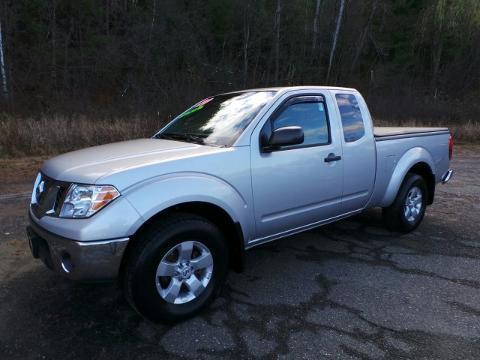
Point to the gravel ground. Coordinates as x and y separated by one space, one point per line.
347 290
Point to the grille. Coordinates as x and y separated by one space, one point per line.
49 195
61 192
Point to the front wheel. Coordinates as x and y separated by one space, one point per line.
408 209
176 268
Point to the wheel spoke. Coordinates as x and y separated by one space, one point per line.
172 291
194 285
201 262
166 269
185 250
177 279
413 204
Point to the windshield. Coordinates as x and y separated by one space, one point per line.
217 120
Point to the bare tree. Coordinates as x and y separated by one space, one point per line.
107 17
278 13
438 18
305 28
53 36
361 41
68 38
152 24
150 33
246 39
315 26
335 37
2 65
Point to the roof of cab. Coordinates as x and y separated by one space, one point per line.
287 88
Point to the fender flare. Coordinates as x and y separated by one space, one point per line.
409 159
154 195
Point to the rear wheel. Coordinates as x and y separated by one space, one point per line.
176 268
408 209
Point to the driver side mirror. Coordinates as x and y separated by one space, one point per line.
284 136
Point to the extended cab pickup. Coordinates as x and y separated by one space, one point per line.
168 215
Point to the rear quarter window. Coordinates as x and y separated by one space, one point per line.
352 121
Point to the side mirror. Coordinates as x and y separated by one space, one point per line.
285 136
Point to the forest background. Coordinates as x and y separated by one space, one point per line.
75 73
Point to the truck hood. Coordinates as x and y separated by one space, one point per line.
90 165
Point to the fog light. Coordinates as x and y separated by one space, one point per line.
32 248
67 265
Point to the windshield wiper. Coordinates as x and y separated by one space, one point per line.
183 137
192 138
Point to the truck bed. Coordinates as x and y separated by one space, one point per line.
386 133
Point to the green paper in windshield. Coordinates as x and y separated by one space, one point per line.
196 107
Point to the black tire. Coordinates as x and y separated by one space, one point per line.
394 215
151 246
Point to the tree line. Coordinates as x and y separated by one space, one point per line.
411 58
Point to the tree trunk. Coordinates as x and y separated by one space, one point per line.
246 39
363 37
335 37
278 12
439 15
53 33
305 30
315 27
65 56
149 43
107 17
3 72
152 25
82 88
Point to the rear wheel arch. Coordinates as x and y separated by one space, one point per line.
425 171
408 209
418 161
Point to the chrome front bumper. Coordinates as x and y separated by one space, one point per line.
447 176
77 260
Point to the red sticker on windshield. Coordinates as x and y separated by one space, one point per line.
203 102
196 107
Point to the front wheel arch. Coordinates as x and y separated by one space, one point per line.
232 230
141 269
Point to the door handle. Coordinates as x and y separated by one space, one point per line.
332 157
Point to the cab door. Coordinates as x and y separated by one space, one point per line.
298 185
359 152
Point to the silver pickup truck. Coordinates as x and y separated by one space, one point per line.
169 215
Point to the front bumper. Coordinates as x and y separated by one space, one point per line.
77 260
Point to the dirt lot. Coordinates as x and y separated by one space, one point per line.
347 290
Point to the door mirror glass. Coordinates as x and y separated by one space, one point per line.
284 136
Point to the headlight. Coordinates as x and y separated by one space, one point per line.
83 201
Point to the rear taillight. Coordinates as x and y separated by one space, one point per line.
450 147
